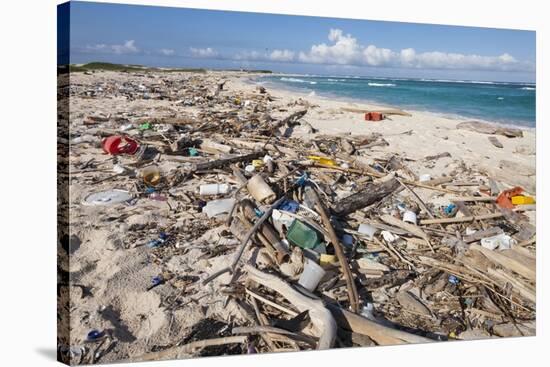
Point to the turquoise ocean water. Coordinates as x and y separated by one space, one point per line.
507 103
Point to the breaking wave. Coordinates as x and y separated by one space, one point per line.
381 85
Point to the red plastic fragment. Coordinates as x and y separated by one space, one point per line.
117 144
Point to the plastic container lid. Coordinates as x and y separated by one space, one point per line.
109 197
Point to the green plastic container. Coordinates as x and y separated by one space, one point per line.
302 235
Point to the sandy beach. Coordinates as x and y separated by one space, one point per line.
111 267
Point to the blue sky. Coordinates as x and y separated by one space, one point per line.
161 36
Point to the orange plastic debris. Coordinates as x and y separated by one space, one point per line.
504 199
374 116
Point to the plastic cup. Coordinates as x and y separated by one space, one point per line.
311 276
367 230
410 217
151 175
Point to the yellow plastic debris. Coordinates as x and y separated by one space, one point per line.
523 200
327 259
257 163
322 160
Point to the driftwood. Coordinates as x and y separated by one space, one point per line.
320 316
273 330
226 161
352 290
516 263
290 120
478 235
381 334
468 219
486 128
385 112
410 228
267 231
369 195
244 244
179 351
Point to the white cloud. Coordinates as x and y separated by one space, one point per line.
203 52
128 47
346 50
250 56
167 51
275 55
281 55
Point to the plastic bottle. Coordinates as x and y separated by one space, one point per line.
217 207
213 189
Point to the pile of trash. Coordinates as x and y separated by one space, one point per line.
313 242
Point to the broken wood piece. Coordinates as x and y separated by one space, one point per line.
478 235
179 351
268 232
227 161
211 146
503 278
410 228
372 193
522 267
381 334
274 330
320 316
412 303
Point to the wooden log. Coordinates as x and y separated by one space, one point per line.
371 194
226 161
381 334
478 235
320 316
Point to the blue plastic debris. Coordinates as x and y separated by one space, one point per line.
258 212
94 335
154 243
449 209
158 280
289 206
453 280
302 180
149 190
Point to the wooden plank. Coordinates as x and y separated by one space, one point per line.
522 268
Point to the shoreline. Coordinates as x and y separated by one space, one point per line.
459 118
431 133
